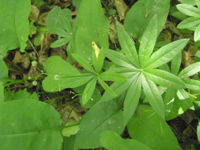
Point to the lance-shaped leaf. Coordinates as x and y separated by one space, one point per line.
112 76
128 46
197 33
185 99
158 134
148 41
61 32
165 54
61 42
118 88
153 95
193 85
88 91
33 122
190 70
118 58
197 3
187 9
165 78
176 63
189 23
132 99
83 62
97 57
169 100
113 141
102 116
106 87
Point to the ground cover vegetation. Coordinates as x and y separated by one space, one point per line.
99 74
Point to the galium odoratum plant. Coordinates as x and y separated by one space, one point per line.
141 69
96 73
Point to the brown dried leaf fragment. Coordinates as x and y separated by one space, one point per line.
122 8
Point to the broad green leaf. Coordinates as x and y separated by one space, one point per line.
55 18
185 99
14 24
56 66
106 87
197 33
1 92
158 134
61 32
132 99
148 41
141 13
89 90
189 23
4 71
112 141
164 78
98 61
20 95
118 88
101 117
153 95
128 46
189 10
33 122
68 142
63 82
61 42
91 25
112 76
189 70
165 54
118 58
83 62
176 63
168 99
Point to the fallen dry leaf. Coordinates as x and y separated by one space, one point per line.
122 8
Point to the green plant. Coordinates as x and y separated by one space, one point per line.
192 22
138 87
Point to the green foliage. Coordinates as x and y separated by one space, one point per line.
192 22
14 24
140 86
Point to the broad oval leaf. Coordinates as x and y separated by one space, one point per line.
189 70
164 78
141 13
102 116
14 24
112 141
33 122
158 134
165 54
90 27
